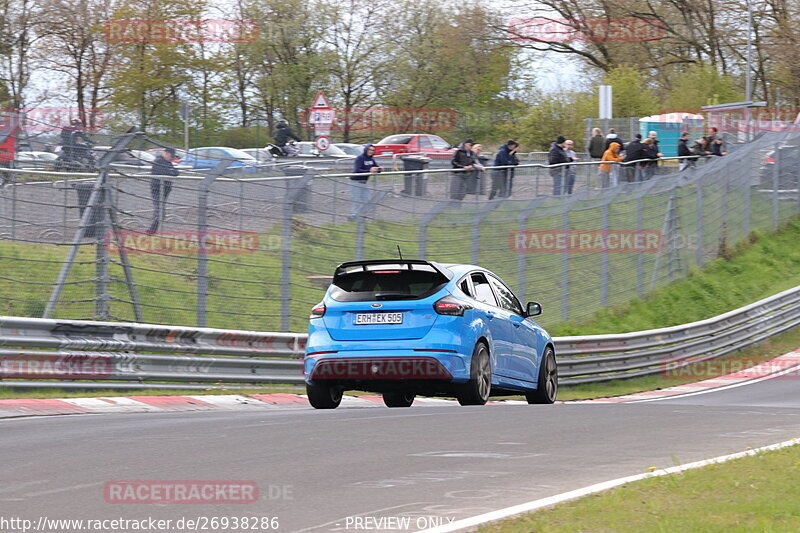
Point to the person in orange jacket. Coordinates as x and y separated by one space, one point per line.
609 172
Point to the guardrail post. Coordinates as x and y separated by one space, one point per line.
202 229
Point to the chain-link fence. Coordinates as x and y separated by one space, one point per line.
255 248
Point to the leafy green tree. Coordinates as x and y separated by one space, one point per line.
701 85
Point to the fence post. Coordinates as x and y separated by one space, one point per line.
101 253
119 145
604 254
202 228
639 252
776 167
522 256
699 223
295 188
746 217
565 266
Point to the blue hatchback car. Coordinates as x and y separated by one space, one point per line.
405 328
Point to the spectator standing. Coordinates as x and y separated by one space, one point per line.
612 137
700 147
609 171
463 161
503 178
557 156
597 144
649 152
161 187
364 165
633 152
475 182
572 170
283 134
716 144
685 151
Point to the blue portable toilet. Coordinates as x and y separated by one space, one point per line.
669 126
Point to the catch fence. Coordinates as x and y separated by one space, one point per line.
255 248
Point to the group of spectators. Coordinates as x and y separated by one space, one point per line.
471 166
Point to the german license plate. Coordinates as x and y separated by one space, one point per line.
363 319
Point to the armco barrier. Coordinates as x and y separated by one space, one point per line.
56 353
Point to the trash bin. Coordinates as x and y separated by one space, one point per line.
84 190
301 201
483 176
414 184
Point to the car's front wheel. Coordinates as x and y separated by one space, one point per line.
476 390
324 395
547 387
398 399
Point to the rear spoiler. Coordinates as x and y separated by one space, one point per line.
348 268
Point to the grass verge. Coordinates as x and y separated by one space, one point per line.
757 493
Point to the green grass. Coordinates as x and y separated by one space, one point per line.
756 493
760 267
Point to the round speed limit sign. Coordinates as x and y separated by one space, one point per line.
323 143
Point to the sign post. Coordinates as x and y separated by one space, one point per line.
321 115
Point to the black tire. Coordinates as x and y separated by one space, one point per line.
398 399
547 388
323 395
477 390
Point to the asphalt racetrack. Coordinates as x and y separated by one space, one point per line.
375 469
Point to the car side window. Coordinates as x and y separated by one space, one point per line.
507 299
439 143
465 288
425 142
483 291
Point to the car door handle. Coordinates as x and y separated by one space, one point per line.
516 324
490 315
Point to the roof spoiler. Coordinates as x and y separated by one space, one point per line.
409 263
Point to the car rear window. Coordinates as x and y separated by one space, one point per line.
387 283
397 139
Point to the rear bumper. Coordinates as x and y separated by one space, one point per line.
388 365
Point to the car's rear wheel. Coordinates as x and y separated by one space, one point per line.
324 395
547 388
476 390
398 399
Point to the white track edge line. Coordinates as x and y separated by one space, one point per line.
723 387
508 512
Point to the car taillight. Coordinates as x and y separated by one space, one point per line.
318 311
450 306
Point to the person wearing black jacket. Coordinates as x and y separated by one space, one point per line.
633 152
684 150
463 160
503 178
162 166
597 145
283 134
556 156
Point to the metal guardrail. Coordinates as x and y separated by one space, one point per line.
136 355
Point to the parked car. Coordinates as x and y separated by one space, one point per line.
209 157
402 328
35 160
417 143
350 148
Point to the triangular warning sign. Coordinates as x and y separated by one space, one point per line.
320 102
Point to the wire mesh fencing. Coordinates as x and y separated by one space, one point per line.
231 248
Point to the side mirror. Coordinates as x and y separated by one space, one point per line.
533 309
